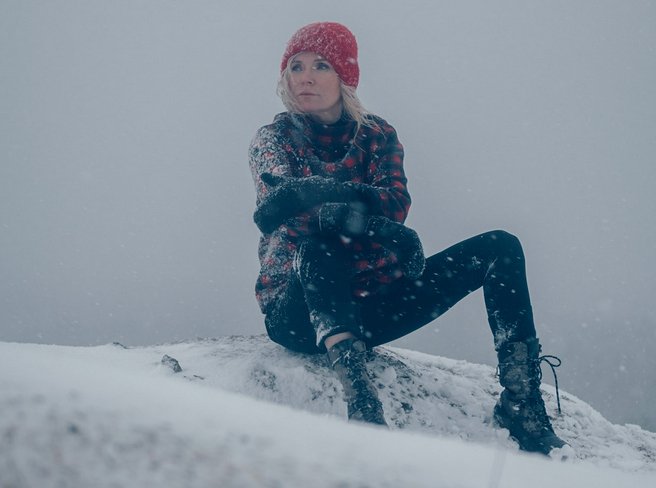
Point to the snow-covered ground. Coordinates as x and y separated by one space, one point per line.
243 412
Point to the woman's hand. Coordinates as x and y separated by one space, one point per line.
290 197
342 218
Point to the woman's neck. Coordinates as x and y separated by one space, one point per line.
327 117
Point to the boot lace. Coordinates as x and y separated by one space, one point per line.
553 362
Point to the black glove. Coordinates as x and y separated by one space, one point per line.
402 241
291 196
342 218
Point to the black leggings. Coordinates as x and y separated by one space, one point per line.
319 302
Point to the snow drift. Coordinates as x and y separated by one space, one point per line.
242 412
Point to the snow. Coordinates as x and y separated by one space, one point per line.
244 412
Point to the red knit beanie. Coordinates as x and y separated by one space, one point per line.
331 40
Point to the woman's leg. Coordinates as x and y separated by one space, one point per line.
318 314
493 260
318 304
288 322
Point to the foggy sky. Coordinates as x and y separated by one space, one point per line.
126 201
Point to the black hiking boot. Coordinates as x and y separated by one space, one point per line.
348 358
520 408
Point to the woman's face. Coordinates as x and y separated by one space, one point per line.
315 87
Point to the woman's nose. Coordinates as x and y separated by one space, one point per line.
307 77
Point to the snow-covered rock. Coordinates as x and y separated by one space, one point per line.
242 411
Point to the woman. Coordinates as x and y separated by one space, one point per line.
340 273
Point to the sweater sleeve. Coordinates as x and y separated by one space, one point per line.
385 190
265 155
385 193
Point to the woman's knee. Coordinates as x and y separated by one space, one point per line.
317 257
313 250
504 239
506 246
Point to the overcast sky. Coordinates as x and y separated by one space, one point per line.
126 200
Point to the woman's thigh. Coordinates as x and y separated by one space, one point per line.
449 276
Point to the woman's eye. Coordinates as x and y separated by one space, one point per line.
322 66
296 68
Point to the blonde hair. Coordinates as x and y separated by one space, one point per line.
351 104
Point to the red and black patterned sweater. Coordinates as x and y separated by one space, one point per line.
295 146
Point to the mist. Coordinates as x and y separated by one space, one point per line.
126 201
